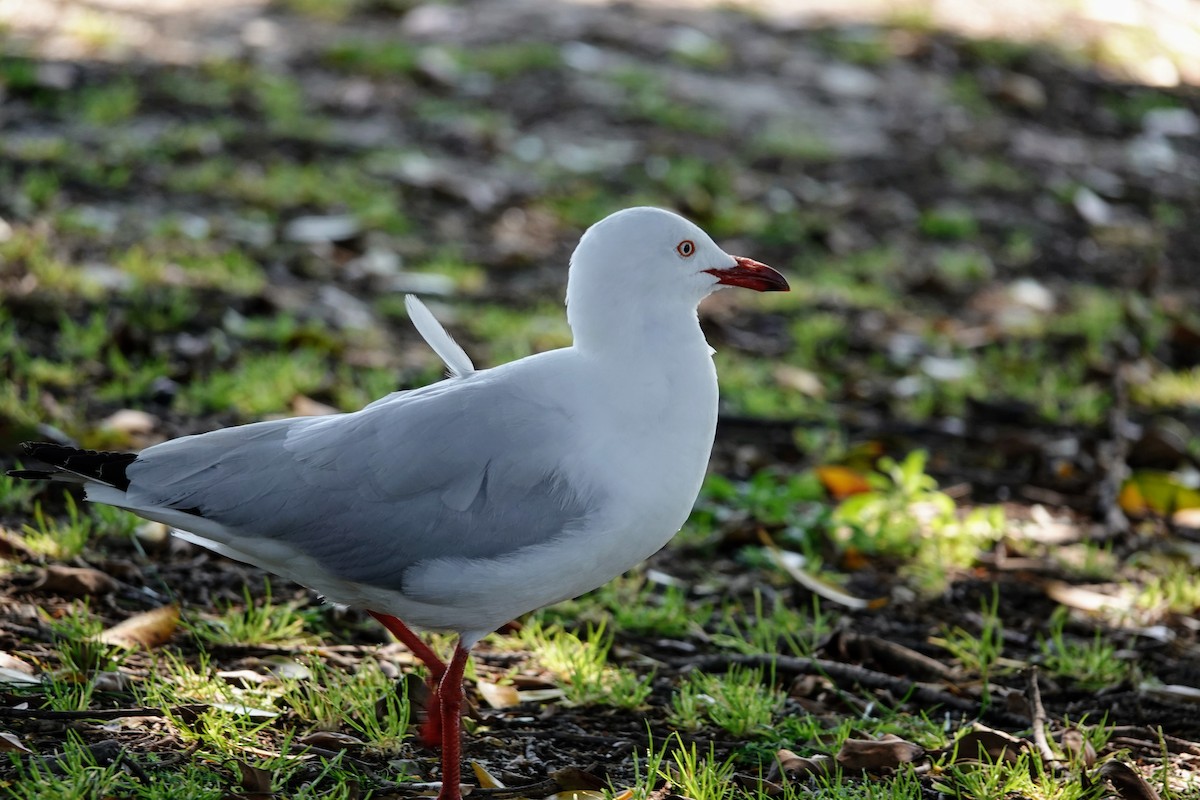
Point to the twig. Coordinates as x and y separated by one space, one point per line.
1034 695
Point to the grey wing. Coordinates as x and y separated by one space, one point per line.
461 468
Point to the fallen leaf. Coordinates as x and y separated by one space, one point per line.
148 629
799 379
887 752
14 664
486 779
112 681
842 482
14 676
984 741
571 779
1077 747
130 421
255 780
792 767
307 407
498 695
79 581
10 743
1130 785
1154 491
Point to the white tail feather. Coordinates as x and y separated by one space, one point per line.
456 359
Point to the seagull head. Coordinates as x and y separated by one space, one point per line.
642 266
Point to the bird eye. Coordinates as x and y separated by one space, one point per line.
686 248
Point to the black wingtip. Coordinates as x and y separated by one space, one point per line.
30 474
105 467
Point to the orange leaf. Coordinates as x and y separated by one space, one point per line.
842 482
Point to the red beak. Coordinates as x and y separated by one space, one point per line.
750 274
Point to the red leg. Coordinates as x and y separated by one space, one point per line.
415 643
431 727
452 700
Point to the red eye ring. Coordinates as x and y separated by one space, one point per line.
686 248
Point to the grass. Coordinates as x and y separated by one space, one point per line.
580 664
254 622
743 702
60 538
1090 664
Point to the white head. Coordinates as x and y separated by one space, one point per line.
644 269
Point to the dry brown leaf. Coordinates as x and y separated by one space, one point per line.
13 663
78 581
12 545
9 742
1130 785
570 779
1085 599
1077 747
255 780
498 695
997 745
148 629
790 767
865 754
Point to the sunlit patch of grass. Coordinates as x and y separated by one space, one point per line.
1015 369
743 702
230 270
31 252
1090 665
58 537
73 774
80 654
635 605
254 622
1173 590
978 653
1170 389
750 387
581 665
783 629
367 701
257 384
697 776
905 515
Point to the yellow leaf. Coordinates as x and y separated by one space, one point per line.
1154 491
